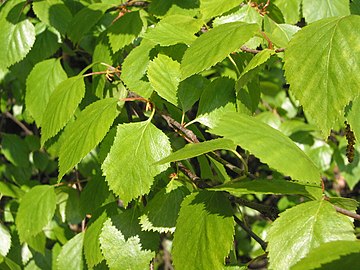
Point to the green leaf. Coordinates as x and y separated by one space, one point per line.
134 69
164 77
268 144
337 251
196 149
5 240
144 143
10 190
247 14
121 253
312 224
61 106
82 135
53 13
15 150
217 99
314 11
252 68
352 118
40 83
190 90
37 207
265 186
279 34
125 30
17 39
161 212
174 7
174 29
319 73
94 194
290 10
214 45
85 19
202 216
70 256
212 8
346 203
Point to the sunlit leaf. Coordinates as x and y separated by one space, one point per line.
135 141
321 75
320 9
16 41
202 216
37 207
214 45
82 135
61 106
315 223
268 144
40 83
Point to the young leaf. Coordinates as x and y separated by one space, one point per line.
336 252
321 76
134 69
214 45
265 186
53 13
5 240
161 212
61 106
196 149
40 83
174 29
202 216
211 8
125 30
268 144
37 207
70 256
314 11
121 253
217 99
164 76
311 223
82 135
144 143
10 190
17 39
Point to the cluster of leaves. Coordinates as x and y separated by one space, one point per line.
166 132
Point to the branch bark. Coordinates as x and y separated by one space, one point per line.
21 125
262 243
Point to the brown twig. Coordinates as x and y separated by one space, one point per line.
262 243
254 51
346 212
21 125
268 211
192 176
175 124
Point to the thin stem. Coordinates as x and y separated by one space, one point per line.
21 125
226 164
268 211
346 212
261 242
254 51
246 168
235 65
